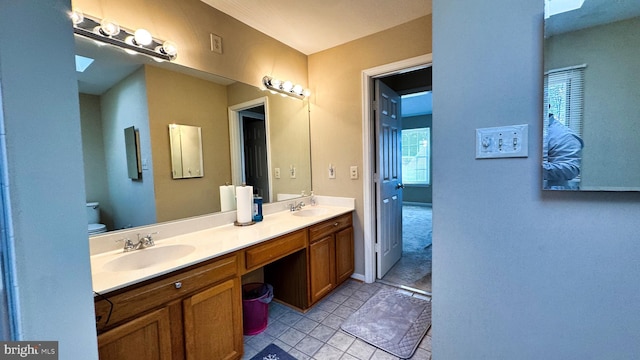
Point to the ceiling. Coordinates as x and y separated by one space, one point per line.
591 13
310 26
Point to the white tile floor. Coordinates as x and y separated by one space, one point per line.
317 335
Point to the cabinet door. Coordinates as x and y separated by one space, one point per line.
344 254
322 268
213 322
145 338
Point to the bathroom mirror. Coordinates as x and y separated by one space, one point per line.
119 90
591 104
185 143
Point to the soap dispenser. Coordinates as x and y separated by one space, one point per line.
257 208
313 199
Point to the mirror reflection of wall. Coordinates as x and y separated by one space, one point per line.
592 88
150 97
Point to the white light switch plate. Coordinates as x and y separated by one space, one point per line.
353 172
502 142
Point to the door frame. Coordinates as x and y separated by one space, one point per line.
236 142
369 204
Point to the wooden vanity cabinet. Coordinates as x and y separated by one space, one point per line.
192 314
331 259
147 337
196 313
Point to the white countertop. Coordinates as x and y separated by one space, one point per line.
208 243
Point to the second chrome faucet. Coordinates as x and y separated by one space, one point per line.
143 242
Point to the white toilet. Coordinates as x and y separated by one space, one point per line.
93 216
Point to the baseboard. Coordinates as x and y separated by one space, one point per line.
416 203
358 277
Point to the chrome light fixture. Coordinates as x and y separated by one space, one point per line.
285 87
108 31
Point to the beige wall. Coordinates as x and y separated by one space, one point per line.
180 99
247 54
336 108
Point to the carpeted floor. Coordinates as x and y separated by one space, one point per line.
414 268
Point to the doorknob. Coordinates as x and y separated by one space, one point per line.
400 186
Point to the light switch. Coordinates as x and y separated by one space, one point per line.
292 172
332 172
216 43
353 172
502 142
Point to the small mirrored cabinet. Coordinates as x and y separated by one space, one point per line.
132 148
186 151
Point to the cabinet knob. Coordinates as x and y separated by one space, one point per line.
335 224
178 284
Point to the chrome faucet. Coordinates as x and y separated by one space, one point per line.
143 243
296 206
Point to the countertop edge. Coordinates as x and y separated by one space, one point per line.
272 227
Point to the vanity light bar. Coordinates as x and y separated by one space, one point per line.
285 87
110 32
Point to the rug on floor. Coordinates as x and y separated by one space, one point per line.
273 352
391 321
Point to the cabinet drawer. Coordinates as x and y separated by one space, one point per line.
272 250
151 294
318 231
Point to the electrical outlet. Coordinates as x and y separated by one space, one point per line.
276 173
353 172
216 43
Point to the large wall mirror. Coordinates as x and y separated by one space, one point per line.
119 90
591 104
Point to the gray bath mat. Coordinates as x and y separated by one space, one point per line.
391 321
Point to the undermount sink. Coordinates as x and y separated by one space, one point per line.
140 259
310 212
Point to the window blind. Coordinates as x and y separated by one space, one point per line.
564 97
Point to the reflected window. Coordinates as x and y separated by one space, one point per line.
563 97
416 156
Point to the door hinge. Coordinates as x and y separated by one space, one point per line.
377 247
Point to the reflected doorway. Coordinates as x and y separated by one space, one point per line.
250 146
254 159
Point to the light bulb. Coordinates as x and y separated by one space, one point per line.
287 86
276 83
297 89
109 28
77 16
142 37
168 48
306 92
